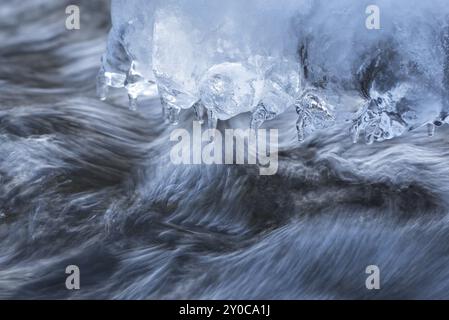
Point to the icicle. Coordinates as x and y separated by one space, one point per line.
212 119
355 131
136 85
132 103
300 126
259 116
199 110
369 139
102 85
173 115
430 129
164 108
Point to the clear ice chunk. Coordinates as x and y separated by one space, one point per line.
200 111
175 43
127 61
224 58
313 114
377 64
174 59
229 89
281 87
391 114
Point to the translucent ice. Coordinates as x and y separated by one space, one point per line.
398 70
128 60
205 52
313 114
229 89
281 87
230 57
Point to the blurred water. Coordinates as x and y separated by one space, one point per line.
90 183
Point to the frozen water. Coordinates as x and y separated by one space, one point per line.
281 87
313 114
218 65
176 43
232 57
128 60
398 70
229 89
178 60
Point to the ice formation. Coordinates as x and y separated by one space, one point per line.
128 60
397 70
264 57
